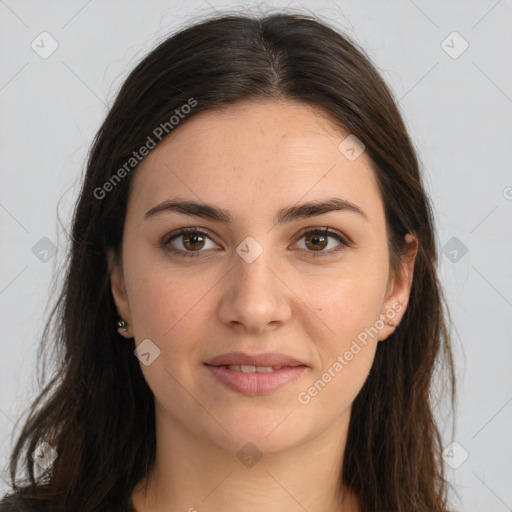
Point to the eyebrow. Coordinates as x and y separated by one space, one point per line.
288 214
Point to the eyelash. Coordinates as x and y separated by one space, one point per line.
166 242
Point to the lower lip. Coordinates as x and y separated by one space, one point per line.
254 383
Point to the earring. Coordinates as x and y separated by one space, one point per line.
390 322
121 324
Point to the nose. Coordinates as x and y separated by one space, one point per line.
255 298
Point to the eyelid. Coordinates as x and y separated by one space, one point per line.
327 231
343 240
183 231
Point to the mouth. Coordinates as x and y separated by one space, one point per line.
250 369
254 375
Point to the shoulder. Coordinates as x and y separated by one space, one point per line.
16 504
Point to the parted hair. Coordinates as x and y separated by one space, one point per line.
97 410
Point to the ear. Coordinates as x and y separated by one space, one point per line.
399 288
119 292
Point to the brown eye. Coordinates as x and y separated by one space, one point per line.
189 242
322 242
193 242
315 241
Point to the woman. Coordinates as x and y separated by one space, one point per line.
251 314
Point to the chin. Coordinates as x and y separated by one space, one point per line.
270 431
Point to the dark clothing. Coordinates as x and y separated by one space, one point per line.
14 504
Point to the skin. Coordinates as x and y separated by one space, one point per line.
253 159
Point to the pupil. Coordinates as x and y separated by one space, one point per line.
192 240
316 240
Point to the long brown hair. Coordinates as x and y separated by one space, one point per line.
97 411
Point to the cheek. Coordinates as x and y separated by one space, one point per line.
169 307
350 308
333 391
164 299
347 303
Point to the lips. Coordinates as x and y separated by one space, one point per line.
242 359
253 375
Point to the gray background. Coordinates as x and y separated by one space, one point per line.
458 107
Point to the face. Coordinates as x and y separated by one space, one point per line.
256 274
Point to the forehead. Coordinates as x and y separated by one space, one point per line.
255 155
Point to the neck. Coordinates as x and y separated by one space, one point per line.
194 475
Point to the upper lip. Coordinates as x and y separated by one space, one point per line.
241 358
